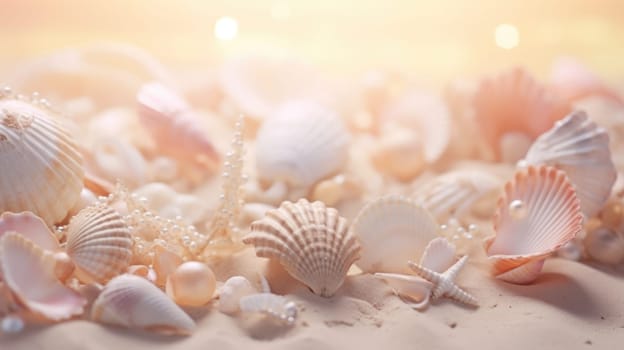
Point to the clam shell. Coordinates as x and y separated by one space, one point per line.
30 226
579 147
515 102
272 305
29 272
392 230
459 193
41 167
301 144
537 214
133 302
311 241
99 243
232 291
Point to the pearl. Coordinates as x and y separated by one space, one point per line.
192 284
517 209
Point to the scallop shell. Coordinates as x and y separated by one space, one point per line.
42 169
177 131
399 153
275 306
515 102
426 115
311 241
392 230
30 226
99 243
459 193
232 291
29 272
133 302
579 147
301 144
537 214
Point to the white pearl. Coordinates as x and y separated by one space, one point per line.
517 209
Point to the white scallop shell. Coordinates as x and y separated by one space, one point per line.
29 272
579 147
232 291
302 143
537 214
41 167
458 193
133 302
311 241
99 243
272 305
392 230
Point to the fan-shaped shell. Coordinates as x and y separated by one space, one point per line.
99 243
537 214
133 302
392 230
579 147
301 144
458 193
29 272
515 102
41 167
311 241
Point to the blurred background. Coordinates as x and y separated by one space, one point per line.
436 40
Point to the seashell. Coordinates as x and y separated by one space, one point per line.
459 193
425 114
605 246
29 273
392 230
515 102
99 243
439 255
232 291
192 284
537 214
413 290
399 153
513 146
579 147
42 169
275 306
174 126
311 241
302 143
573 81
334 190
118 160
133 302
30 226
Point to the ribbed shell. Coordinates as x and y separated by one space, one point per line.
28 271
579 147
99 243
392 230
41 167
301 144
311 241
551 217
133 302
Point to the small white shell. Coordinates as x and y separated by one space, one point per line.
439 255
392 230
133 302
302 143
311 241
29 273
537 214
41 166
272 305
232 291
579 147
99 243
458 193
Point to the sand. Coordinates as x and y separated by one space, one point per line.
571 306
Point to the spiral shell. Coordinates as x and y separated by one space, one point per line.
41 167
537 214
99 243
133 302
311 241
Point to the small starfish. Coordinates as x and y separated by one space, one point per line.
445 282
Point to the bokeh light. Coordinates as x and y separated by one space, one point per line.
226 28
506 36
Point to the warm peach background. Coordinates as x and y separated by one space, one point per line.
436 39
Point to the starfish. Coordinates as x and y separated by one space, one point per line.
445 282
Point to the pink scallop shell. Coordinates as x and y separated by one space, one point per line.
30 226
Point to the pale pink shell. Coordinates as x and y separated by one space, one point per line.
537 214
30 226
573 81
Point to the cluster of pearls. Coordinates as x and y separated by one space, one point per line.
464 238
35 99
